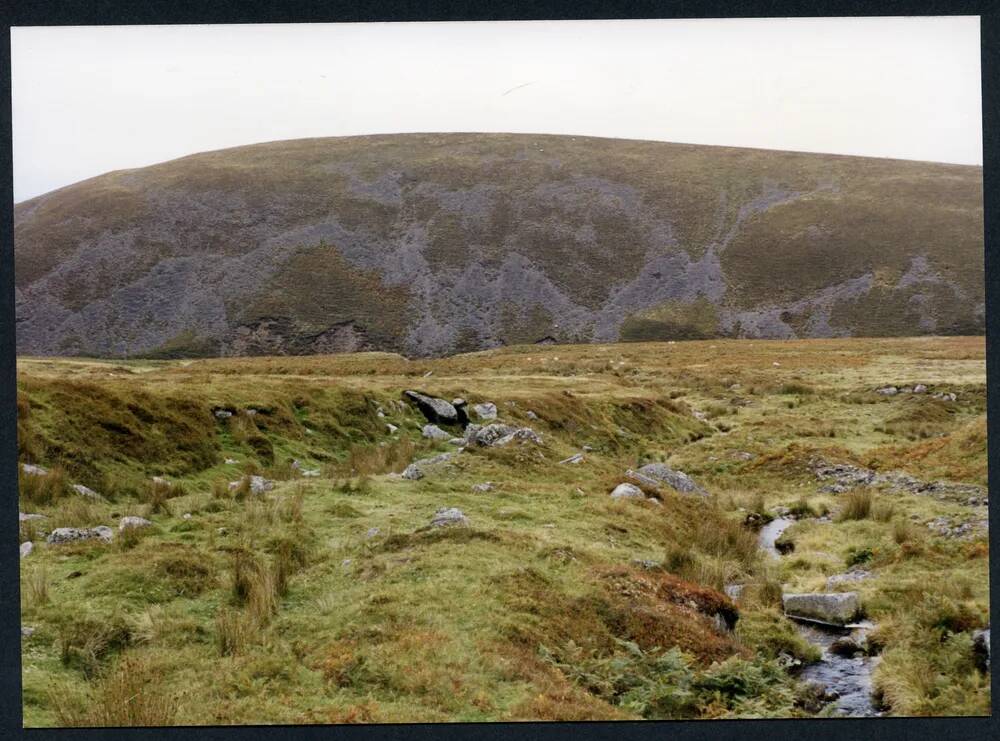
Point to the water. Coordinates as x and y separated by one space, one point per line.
847 678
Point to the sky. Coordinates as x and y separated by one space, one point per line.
88 100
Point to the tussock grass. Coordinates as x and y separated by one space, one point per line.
857 506
129 695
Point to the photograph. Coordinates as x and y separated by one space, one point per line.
492 371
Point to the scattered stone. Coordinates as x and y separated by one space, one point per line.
296 466
887 391
160 480
251 412
530 415
33 470
373 532
380 413
448 516
85 491
392 428
21 517
919 389
416 470
71 534
498 434
223 413
483 487
486 410
26 548
733 591
130 521
231 462
627 491
258 484
186 516
661 473
741 455
27 631
851 577
588 448
839 608
310 473
944 396
577 458
428 374
456 441
776 364
435 433
434 409
646 564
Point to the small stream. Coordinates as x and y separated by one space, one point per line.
847 678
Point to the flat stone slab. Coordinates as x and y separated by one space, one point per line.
837 609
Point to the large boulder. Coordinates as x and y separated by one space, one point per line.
657 474
437 411
71 534
833 609
981 647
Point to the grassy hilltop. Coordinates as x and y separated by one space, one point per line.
432 244
330 599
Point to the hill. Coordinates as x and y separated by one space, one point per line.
431 244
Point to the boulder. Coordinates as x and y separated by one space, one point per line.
26 548
733 591
483 487
130 521
418 469
981 647
449 516
661 473
231 461
435 433
456 441
85 491
258 484
33 470
22 517
851 577
627 491
832 609
310 472
223 413
486 410
530 414
373 532
391 427
71 534
576 458
435 410
920 389
498 434
887 391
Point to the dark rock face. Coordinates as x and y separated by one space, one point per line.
431 244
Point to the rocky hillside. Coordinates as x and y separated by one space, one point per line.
432 244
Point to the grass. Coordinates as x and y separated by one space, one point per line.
329 599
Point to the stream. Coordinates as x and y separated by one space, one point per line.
847 678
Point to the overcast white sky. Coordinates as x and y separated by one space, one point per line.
87 100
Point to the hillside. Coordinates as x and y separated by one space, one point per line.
431 244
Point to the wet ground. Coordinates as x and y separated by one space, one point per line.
848 679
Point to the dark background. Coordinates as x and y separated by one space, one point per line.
112 12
